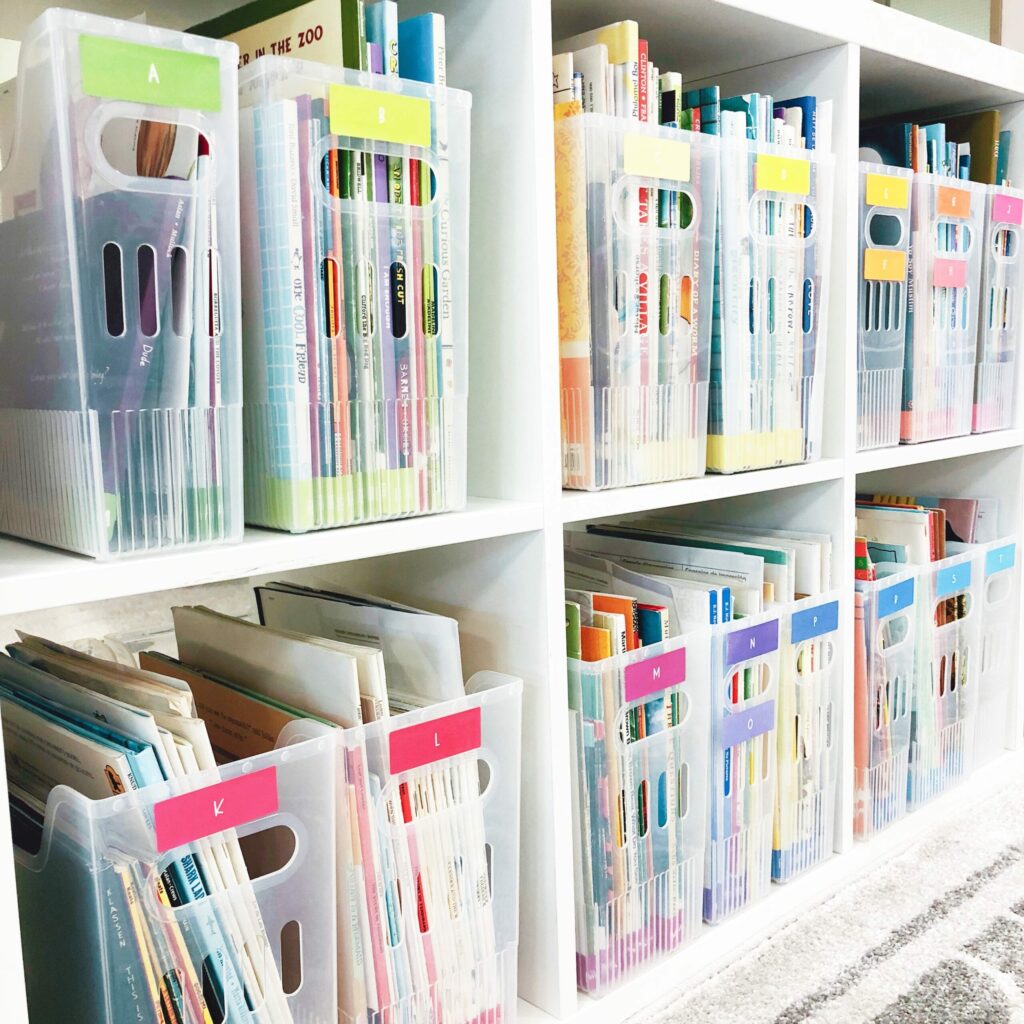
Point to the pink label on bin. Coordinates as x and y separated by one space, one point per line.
435 740
1007 209
949 274
655 674
191 816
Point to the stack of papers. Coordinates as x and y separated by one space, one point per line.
415 917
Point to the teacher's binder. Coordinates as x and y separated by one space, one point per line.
635 223
120 401
884 233
999 326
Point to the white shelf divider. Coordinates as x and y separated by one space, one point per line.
34 577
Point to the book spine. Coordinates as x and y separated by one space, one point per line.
371 877
310 273
275 130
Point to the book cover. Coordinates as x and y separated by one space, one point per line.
310 30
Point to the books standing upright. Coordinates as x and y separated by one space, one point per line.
634 319
119 293
370 419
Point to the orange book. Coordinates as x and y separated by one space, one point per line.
626 607
595 643
574 336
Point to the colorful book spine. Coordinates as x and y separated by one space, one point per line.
421 44
275 142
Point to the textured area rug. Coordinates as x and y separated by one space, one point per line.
936 936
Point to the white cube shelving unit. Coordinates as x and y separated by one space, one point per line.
497 566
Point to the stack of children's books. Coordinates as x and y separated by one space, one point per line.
641 595
939 538
353 267
954 311
415 925
763 317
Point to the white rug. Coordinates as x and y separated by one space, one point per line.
934 937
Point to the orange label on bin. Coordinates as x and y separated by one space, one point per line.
885 265
953 202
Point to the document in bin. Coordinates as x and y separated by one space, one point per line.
421 650
307 672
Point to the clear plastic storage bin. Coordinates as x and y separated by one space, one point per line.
635 207
947 225
884 227
103 941
432 869
767 363
119 292
946 675
639 732
808 735
999 325
885 627
355 201
999 641
744 688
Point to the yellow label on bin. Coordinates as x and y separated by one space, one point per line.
381 116
885 265
783 174
887 190
651 157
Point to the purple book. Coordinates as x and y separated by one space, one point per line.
380 195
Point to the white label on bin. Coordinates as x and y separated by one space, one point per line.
651 157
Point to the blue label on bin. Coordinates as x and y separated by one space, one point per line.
896 598
745 725
752 642
1000 559
812 622
953 579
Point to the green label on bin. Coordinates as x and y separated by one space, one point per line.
113 69
382 116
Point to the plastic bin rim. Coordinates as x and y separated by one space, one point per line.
55 19
871 167
328 74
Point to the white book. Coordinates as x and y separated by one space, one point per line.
656 558
813 553
561 77
794 118
311 674
895 526
669 561
592 62
421 650
616 626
